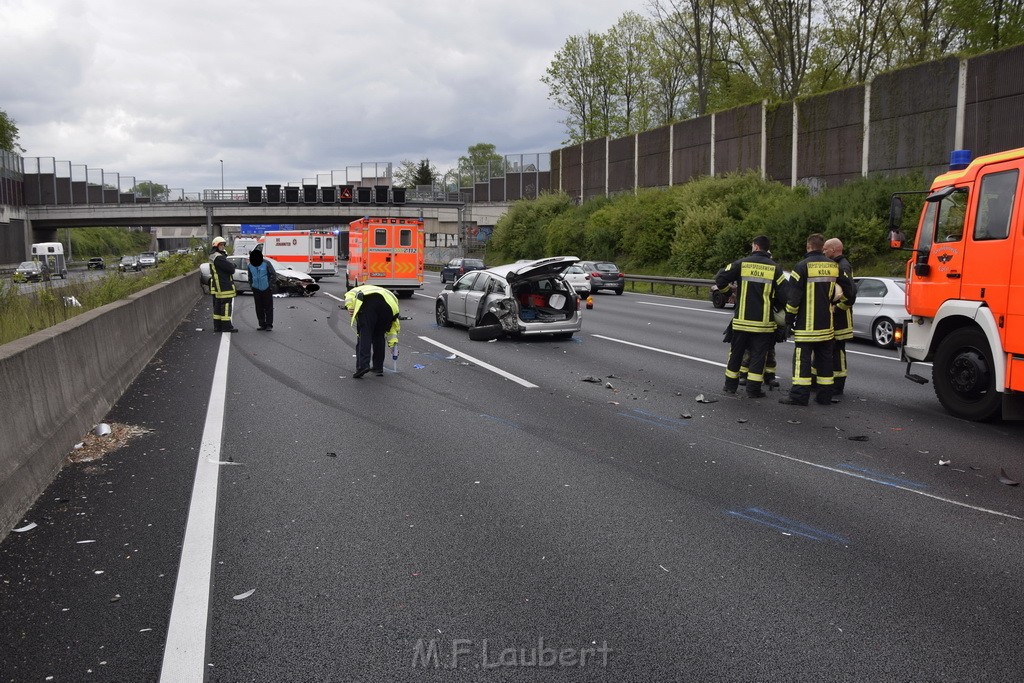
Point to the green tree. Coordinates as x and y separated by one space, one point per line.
632 43
154 191
694 29
573 82
772 40
9 134
481 163
410 174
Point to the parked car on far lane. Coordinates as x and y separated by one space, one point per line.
879 309
578 278
129 263
31 271
458 267
604 275
519 299
96 263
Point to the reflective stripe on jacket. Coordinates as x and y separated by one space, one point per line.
842 314
812 285
759 291
354 301
221 284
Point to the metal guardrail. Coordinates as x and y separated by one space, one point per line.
673 282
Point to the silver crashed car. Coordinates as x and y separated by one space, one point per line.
517 299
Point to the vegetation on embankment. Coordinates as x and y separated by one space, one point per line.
23 314
692 230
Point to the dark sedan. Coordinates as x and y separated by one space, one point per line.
458 267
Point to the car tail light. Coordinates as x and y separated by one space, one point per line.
577 303
622 275
595 274
586 277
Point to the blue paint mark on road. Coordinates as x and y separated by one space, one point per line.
786 525
500 419
883 478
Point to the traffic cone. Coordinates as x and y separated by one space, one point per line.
590 302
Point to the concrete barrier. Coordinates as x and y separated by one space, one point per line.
56 384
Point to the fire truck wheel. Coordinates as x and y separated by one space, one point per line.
962 373
441 315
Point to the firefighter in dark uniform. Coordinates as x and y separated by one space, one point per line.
759 280
812 290
842 317
222 286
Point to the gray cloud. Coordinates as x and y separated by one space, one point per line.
282 91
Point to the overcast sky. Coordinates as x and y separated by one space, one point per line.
283 91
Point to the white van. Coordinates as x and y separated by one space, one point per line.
51 255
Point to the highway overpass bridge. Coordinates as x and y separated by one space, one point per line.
448 224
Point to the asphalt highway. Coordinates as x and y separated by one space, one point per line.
489 511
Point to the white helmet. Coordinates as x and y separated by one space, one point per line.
219 240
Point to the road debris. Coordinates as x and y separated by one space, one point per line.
243 596
95 447
857 438
701 399
27 527
944 463
591 379
1004 478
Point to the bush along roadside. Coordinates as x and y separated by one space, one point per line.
22 314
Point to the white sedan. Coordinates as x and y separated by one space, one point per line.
578 278
879 309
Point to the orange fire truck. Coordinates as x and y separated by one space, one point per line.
307 251
965 286
387 252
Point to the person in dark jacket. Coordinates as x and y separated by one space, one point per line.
222 286
842 317
759 281
815 284
262 278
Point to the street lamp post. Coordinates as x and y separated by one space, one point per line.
221 175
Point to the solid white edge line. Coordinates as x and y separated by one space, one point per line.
656 349
486 366
185 648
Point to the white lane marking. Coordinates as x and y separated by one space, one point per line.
685 308
857 475
704 310
185 649
485 366
658 350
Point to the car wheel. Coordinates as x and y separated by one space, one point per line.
441 315
964 378
443 279
485 333
718 299
883 333
618 292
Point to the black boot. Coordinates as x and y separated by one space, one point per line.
731 385
838 386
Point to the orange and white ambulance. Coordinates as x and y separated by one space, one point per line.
965 286
387 252
314 252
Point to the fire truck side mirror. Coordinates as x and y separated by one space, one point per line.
895 221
